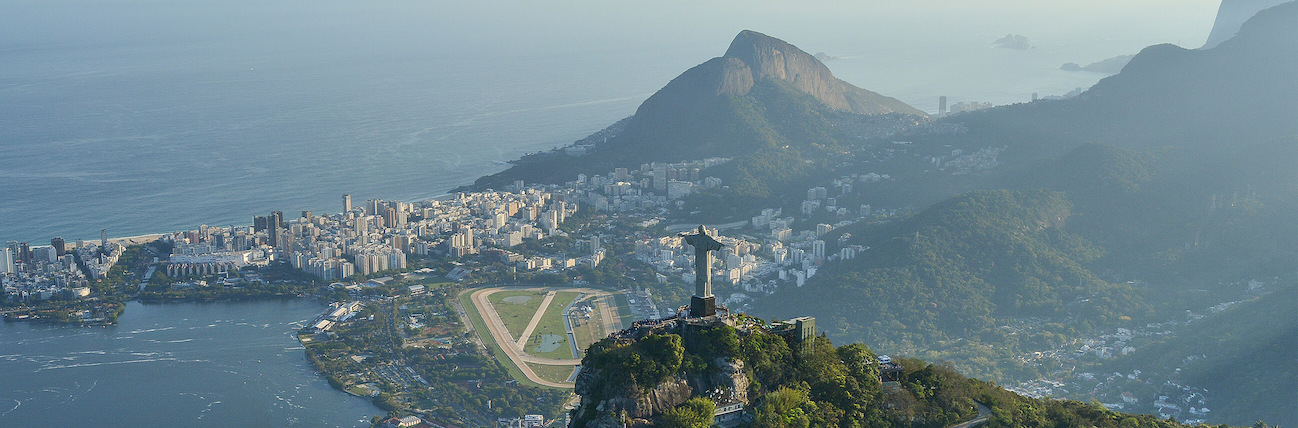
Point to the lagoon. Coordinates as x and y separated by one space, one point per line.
193 364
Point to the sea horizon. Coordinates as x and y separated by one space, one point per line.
136 133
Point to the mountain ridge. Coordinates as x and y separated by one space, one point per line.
1176 174
763 96
1231 15
769 57
1194 101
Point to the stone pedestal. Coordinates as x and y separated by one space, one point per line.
703 306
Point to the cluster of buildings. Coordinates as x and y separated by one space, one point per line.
960 163
777 257
1170 400
653 185
736 261
1182 402
377 236
336 313
55 271
212 252
527 421
1129 392
964 106
406 422
380 235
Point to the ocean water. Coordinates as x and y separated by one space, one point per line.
142 116
190 364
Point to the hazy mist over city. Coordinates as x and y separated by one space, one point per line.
925 213
287 81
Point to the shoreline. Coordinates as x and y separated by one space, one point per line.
150 237
138 239
26 317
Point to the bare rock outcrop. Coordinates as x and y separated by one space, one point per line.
730 376
768 57
653 401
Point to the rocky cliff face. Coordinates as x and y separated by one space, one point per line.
602 406
730 376
766 57
763 94
644 406
769 57
1231 15
654 401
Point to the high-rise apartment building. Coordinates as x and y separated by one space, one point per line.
60 246
6 260
24 253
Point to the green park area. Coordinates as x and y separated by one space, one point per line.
550 339
624 310
552 373
587 330
516 308
489 342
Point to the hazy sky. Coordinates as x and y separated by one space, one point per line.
397 85
680 33
556 26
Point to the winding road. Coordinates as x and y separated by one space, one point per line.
983 413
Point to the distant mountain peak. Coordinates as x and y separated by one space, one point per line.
767 57
765 102
771 57
1231 15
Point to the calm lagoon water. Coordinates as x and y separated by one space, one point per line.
183 364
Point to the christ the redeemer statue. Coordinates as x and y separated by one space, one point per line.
703 303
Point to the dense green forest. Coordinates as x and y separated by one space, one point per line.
943 281
1155 218
820 385
1161 217
1247 356
947 278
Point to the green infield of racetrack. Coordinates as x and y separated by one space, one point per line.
552 373
516 315
480 327
552 324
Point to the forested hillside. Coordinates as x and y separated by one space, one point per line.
945 279
1150 223
790 385
1247 356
